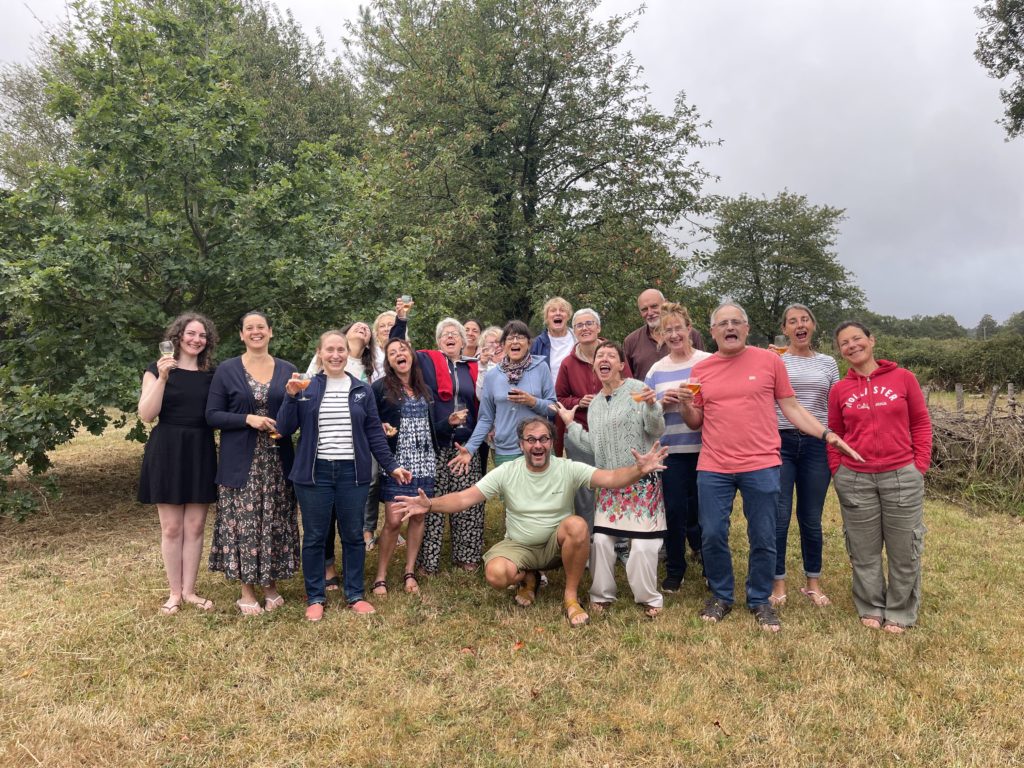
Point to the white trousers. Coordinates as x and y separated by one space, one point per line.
641 570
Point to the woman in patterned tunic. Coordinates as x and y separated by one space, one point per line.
624 415
452 384
181 459
404 404
255 535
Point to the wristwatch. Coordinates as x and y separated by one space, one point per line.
824 435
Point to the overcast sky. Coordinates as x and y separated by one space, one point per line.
874 106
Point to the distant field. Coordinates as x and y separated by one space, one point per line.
94 676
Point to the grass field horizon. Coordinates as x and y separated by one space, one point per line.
95 676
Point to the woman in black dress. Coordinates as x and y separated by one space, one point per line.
180 460
255 533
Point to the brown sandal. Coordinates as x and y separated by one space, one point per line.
527 591
573 611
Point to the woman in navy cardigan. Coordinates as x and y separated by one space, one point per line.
340 429
255 535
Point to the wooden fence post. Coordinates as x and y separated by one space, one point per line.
960 399
992 403
927 394
1011 401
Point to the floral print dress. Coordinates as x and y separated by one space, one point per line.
256 532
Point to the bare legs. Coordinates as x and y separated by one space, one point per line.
388 542
182 527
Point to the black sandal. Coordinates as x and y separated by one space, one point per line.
715 610
766 617
415 583
380 585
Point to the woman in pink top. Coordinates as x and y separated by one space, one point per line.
880 411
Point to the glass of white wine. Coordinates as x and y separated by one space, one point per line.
167 349
304 382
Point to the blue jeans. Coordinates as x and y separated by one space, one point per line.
335 489
805 466
679 480
760 492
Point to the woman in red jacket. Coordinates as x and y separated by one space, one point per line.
879 410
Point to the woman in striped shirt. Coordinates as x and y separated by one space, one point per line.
340 428
804 460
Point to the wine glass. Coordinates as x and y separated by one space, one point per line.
167 349
692 384
781 344
304 381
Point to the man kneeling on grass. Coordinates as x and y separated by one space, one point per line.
541 530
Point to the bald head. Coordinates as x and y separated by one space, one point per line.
649 303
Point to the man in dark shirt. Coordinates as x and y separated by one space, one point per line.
641 346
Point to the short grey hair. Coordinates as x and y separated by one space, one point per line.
450 321
586 311
725 304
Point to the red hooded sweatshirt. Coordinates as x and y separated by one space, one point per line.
883 417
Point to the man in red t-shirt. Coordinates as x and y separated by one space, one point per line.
735 409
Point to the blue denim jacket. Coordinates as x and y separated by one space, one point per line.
367 433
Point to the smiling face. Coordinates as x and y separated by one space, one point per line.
450 342
517 347
649 303
729 330
608 366
359 334
675 331
799 328
472 333
537 454
333 354
384 326
256 333
556 318
399 356
193 339
587 329
856 347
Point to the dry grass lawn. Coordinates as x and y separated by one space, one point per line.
93 675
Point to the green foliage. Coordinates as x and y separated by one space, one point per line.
1001 51
518 140
987 328
917 327
944 363
772 253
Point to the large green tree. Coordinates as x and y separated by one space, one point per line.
179 188
1001 51
519 140
771 253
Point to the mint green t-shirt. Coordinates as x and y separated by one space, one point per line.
535 502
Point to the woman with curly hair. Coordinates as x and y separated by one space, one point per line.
180 462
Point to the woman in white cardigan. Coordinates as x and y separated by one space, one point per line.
624 415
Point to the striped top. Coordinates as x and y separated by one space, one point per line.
665 375
812 378
335 422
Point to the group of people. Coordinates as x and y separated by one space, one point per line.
658 435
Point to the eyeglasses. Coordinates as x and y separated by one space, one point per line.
531 440
586 324
450 335
516 337
680 329
732 322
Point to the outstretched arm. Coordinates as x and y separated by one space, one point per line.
624 476
448 504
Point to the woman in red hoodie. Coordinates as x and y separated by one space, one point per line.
879 410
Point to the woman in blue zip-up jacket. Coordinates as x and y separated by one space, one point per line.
340 428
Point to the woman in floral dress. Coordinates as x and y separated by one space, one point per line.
255 534
624 415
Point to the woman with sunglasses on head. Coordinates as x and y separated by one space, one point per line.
180 462
804 458
255 534
879 409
